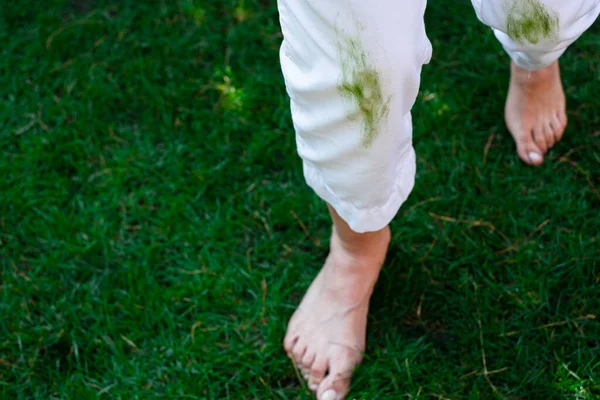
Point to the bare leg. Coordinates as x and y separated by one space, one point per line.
535 33
326 334
535 111
352 71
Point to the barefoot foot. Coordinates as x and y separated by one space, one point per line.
326 334
535 111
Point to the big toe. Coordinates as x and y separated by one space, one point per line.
528 150
336 384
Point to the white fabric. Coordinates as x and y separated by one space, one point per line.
573 18
331 42
357 148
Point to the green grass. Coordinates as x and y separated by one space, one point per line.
156 232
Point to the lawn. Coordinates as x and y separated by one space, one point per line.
156 232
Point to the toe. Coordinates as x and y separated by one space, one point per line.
307 360
289 342
528 150
558 127
334 387
317 372
533 158
298 352
337 383
562 118
540 138
305 374
549 135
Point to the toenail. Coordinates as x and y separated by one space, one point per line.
313 386
534 157
329 395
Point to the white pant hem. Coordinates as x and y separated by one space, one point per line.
367 219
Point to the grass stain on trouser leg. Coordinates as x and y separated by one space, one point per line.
530 21
361 83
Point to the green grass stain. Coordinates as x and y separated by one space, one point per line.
361 83
529 21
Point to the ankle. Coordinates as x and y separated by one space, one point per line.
533 77
361 244
358 245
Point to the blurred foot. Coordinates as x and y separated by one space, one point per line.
535 111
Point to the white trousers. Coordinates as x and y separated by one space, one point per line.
352 71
